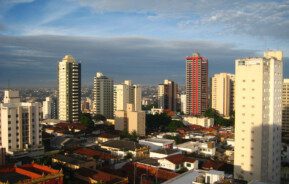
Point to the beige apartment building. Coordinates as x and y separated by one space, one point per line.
103 95
223 93
130 120
69 89
285 110
127 93
20 127
167 95
258 118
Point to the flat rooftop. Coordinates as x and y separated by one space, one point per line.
159 140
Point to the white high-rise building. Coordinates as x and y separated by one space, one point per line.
20 127
127 93
69 89
183 103
258 118
46 108
223 93
103 95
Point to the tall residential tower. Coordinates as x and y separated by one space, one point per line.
258 118
167 95
223 93
196 84
103 95
127 93
69 89
20 129
285 110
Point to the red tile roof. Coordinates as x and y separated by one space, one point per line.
100 176
106 135
159 173
179 159
209 164
94 153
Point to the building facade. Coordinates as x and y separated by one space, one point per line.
223 93
196 84
127 93
258 118
20 127
69 89
130 120
103 95
46 108
167 95
285 110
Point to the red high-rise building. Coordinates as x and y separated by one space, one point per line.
196 84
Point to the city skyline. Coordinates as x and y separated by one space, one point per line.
136 38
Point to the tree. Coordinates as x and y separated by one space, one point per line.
85 118
157 122
218 119
99 117
174 125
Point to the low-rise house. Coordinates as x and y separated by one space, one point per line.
30 173
231 142
62 142
156 111
107 137
74 161
198 177
201 121
122 148
92 176
162 135
178 162
96 154
212 165
206 148
162 153
157 143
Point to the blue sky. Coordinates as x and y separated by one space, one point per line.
144 40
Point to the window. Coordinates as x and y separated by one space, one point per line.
189 165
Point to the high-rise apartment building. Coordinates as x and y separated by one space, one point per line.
167 95
103 95
69 89
46 108
285 110
130 120
183 103
127 93
20 127
196 84
223 93
258 118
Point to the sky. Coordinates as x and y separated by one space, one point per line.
146 41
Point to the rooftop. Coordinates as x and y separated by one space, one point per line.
159 140
99 176
94 153
179 159
25 172
166 151
72 159
122 145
